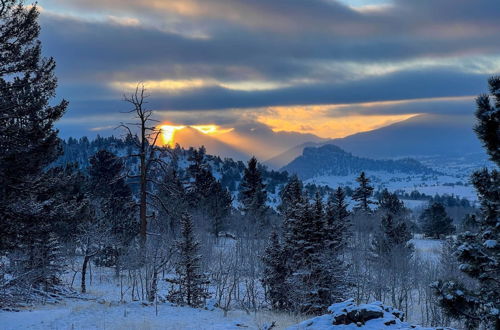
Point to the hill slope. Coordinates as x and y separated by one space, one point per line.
424 135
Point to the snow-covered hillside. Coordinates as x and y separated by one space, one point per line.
441 184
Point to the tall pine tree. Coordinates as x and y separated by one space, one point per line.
479 253
337 220
435 222
190 285
253 195
275 273
391 252
28 140
390 203
173 199
112 201
207 197
363 193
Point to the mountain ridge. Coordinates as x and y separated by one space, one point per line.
420 136
333 160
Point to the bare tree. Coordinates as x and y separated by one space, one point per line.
148 154
93 237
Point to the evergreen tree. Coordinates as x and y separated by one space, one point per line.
470 223
391 235
52 260
337 220
391 252
198 161
206 195
315 277
112 202
363 193
292 202
318 211
190 283
290 195
479 254
435 221
390 203
199 176
253 195
219 204
173 200
28 143
274 274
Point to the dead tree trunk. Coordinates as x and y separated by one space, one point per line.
84 273
146 153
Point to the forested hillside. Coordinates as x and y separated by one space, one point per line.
332 160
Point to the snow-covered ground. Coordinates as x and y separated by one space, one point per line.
101 309
451 184
427 249
76 314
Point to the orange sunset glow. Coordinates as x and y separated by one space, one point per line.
168 131
316 120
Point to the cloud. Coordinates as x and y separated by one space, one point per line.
105 49
396 86
223 60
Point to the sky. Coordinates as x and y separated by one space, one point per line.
323 67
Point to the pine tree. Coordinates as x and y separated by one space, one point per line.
253 195
363 193
391 235
275 273
173 199
435 221
290 195
391 252
206 194
47 261
470 223
479 253
337 220
291 207
113 203
28 141
219 204
319 232
190 283
198 161
315 277
390 203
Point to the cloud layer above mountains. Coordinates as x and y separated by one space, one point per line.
232 62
